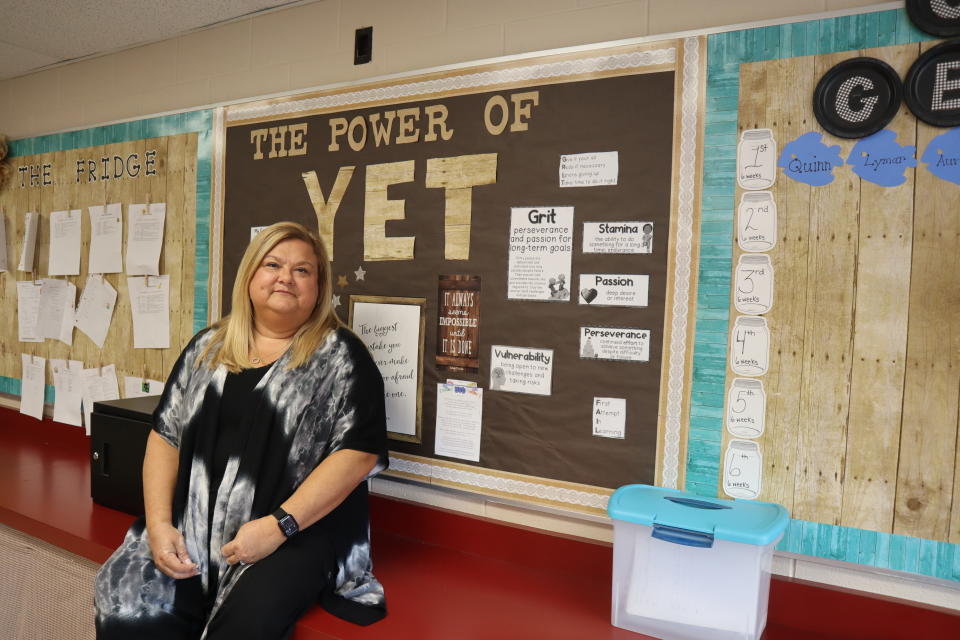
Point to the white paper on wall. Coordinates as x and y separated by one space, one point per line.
51 309
28 310
150 306
521 369
32 382
68 391
3 243
540 249
98 383
95 309
459 423
610 417
145 238
64 259
30 226
69 315
106 238
589 169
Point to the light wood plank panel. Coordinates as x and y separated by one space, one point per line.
14 203
880 332
37 199
828 337
189 248
927 473
118 347
89 192
154 189
63 197
175 260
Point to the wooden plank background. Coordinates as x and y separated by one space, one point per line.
864 378
174 183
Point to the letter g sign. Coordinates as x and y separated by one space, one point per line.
857 97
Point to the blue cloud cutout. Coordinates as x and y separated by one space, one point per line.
808 160
879 159
942 156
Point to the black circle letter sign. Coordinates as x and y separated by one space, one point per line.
857 97
933 85
939 17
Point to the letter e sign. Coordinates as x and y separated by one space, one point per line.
932 86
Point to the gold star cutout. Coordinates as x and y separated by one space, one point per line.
341 281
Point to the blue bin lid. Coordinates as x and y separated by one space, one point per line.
746 521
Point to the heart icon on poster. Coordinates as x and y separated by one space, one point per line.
588 294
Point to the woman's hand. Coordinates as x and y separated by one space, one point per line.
254 541
170 552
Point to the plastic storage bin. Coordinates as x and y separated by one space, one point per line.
692 568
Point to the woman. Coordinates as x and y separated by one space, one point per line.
253 475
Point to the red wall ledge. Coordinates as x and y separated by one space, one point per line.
448 576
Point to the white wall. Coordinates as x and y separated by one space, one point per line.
311 45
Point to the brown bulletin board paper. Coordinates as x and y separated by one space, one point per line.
410 183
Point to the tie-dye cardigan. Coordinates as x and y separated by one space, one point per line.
334 401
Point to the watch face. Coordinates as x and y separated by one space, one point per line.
288 525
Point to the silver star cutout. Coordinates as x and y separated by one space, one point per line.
359 273
336 301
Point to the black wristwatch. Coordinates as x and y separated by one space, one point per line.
288 524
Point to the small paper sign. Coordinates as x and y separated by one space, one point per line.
521 370
589 169
613 289
618 237
611 343
609 417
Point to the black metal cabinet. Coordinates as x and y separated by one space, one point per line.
118 438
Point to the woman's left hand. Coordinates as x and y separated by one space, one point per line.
254 541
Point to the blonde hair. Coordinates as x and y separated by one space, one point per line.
233 335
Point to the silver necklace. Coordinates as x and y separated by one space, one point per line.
256 359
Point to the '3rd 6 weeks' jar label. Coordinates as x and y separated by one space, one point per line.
754 284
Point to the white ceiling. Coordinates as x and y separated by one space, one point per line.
40 33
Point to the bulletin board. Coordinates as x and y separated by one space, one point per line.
859 376
426 211
158 160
